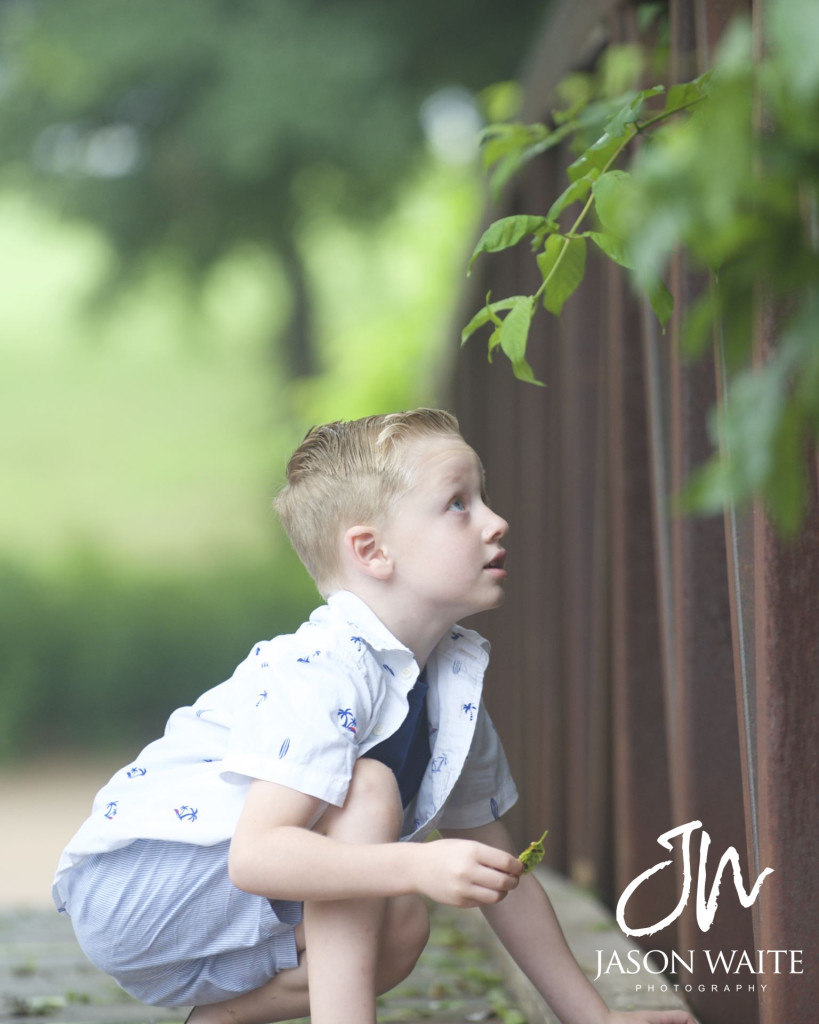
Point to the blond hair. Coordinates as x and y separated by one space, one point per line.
349 473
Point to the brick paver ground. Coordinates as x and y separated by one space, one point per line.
45 979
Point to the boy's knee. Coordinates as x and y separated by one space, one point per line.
372 810
374 790
412 925
373 780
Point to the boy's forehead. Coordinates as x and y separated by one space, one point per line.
445 455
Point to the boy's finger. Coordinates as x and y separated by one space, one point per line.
488 894
502 861
516 867
494 881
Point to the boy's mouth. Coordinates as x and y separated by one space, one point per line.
496 565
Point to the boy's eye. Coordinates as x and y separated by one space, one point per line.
458 504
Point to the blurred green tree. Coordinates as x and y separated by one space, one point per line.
185 128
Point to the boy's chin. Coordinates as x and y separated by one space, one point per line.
491 603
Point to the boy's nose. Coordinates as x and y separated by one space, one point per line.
496 527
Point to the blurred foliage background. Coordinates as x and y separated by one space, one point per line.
221 222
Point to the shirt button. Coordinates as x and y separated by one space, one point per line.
406 672
378 730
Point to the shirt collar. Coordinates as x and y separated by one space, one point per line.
346 605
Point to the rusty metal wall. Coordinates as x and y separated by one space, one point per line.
648 669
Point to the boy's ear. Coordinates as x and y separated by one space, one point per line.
365 553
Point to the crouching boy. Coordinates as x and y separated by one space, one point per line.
251 855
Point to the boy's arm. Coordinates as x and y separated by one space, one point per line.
278 852
527 926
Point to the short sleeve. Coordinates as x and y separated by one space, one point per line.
299 721
485 789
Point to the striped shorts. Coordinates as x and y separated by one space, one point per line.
165 921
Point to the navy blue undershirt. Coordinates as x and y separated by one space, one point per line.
406 753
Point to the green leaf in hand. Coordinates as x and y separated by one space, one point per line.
533 854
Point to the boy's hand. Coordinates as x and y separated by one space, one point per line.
465 873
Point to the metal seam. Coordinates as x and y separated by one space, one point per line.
743 664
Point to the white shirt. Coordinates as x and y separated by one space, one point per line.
298 711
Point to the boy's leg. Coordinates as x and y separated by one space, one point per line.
403 937
355 948
344 936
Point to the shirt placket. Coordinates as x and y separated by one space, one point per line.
454 700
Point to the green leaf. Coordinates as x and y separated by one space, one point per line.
786 488
623 122
575 92
753 434
506 232
547 259
707 489
612 247
662 301
621 126
765 433
577 191
798 341
488 312
517 156
686 94
596 157
518 142
563 266
505 168
501 100
514 331
523 371
698 323
750 420
613 192
513 162
494 341
499 140
533 854
620 69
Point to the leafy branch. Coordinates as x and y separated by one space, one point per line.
593 181
733 185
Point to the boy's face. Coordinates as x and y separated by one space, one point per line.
444 540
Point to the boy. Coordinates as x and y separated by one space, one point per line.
252 853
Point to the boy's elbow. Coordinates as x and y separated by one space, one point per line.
264 864
247 870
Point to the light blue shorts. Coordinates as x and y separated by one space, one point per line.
165 921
